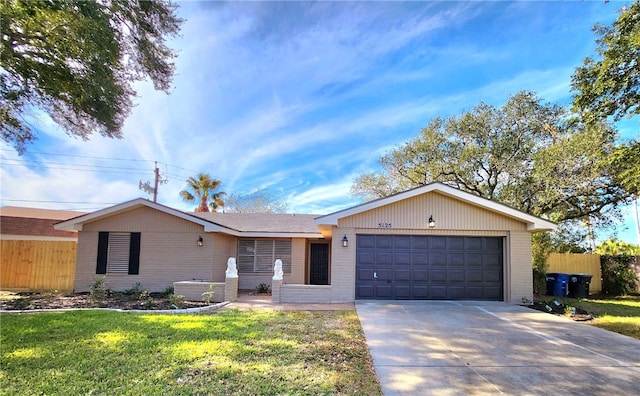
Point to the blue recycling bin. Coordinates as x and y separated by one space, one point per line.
557 284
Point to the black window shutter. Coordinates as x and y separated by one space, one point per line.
103 248
134 254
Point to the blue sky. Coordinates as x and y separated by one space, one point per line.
303 97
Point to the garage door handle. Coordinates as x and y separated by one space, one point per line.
375 275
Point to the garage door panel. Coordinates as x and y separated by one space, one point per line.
456 292
419 258
365 257
437 243
473 243
475 292
420 275
366 241
429 267
474 275
365 291
493 293
419 242
384 241
384 274
474 259
455 243
492 276
438 275
402 275
403 291
402 242
455 275
456 259
420 291
438 292
384 258
402 258
437 259
384 290
364 274
492 260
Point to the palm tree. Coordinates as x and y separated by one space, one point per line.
203 188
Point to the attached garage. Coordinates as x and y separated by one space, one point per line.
429 267
431 243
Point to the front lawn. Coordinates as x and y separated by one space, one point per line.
617 314
621 314
228 352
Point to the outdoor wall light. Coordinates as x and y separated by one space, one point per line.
200 241
345 241
432 222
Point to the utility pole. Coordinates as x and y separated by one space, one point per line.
147 186
155 187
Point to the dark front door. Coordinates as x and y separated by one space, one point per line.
319 264
415 267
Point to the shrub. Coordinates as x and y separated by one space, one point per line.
98 290
263 288
208 295
539 282
136 288
618 278
167 291
146 299
176 301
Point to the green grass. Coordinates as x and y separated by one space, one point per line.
229 352
621 314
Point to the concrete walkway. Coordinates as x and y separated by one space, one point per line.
473 348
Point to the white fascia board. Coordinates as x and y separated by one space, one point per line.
254 234
533 223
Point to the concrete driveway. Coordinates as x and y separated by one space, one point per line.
470 347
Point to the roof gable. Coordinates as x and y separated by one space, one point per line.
533 223
77 223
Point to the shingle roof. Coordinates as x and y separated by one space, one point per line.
33 213
263 222
10 225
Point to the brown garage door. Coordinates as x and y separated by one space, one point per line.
429 267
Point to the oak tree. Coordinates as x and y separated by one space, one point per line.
77 60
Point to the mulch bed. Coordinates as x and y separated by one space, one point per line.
555 307
152 301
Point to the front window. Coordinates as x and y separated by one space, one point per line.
259 255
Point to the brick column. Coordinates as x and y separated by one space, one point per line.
231 289
275 290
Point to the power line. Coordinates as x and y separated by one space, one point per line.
59 202
82 156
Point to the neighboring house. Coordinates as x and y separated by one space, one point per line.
431 242
17 223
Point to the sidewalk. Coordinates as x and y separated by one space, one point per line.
246 300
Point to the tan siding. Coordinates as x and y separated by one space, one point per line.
164 259
449 214
343 266
520 270
141 220
224 246
298 258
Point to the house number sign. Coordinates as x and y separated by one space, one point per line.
384 225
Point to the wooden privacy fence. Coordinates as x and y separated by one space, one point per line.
37 265
573 263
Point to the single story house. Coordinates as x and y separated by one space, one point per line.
431 242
